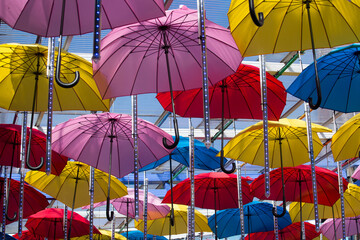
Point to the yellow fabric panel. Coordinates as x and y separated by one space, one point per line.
62 187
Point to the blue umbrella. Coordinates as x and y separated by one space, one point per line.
204 158
258 217
7 236
339 73
138 235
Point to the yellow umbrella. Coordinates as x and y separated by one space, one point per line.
286 26
74 180
346 141
108 234
351 206
161 226
22 64
247 145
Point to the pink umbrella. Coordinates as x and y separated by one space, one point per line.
356 173
352 227
162 55
104 141
126 206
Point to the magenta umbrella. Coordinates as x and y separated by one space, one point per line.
126 206
163 54
105 142
352 227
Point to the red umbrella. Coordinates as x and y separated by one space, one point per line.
33 202
298 185
49 223
27 235
214 190
291 232
10 142
241 93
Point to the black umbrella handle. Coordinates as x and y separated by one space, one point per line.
58 69
258 22
177 136
109 215
233 167
317 80
281 214
7 205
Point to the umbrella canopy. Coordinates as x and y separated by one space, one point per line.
298 185
258 217
351 207
10 142
352 227
356 174
105 235
241 93
346 141
205 158
286 25
33 201
23 74
248 145
291 232
133 59
27 235
7 236
49 223
126 205
44 17
162 226
214 190
138 235
88 139
339 77
75 180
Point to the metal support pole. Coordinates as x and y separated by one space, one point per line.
312 159
91 191
50 74
22 171
145 205
241 208
276 223
65 222
5 190
202 38
136 160
113 225
191 209
264 106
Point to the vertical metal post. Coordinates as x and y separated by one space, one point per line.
97 31
65 222
202 38
136 170
91 191
241 208
22 170
145 204
263 86
50 74
276 223
312 159
113 225
5 186
191 209
341 187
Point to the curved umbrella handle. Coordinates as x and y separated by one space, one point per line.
9 218
34 168
233 167
109 216
177 137
284 207
258 22
318 90
58 67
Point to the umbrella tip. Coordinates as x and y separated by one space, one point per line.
207 144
